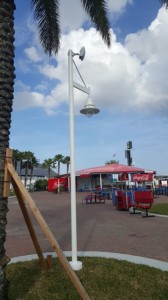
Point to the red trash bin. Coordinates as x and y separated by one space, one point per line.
122 200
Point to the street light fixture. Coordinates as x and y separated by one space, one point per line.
88 110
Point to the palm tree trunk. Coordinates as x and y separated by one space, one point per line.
49 173
20 169
6 100
58 167
26 173
31 175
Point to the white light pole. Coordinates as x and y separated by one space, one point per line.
89 110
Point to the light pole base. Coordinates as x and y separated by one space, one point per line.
76 265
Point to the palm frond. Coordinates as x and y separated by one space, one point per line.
46 13
97 10
165 2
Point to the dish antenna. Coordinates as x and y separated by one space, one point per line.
82 53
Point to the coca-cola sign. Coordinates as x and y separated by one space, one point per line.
142 177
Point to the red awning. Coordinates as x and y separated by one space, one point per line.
85 175
112 168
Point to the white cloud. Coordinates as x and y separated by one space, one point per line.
119 5
43 86
69 21
125 77
73 16
36 99
129 77
151 42
21 87
33 54
150 47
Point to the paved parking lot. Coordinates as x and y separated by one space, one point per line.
100 228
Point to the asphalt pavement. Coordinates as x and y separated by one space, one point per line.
100 227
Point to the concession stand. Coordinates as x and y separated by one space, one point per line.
114 180
119 180
105 176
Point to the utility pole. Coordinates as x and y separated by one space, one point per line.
128 153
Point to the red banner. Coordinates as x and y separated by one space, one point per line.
142 177
53 183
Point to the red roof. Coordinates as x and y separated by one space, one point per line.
112 168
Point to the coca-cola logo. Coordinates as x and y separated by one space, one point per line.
142 177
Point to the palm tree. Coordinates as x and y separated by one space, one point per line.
111 162
165 2
27 157
66 161
46 13
16 156
33 163
58 159
6 99
48 164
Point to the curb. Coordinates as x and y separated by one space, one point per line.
161 265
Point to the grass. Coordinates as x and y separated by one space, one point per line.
103 279
160 208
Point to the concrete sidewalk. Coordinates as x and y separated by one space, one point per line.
100 228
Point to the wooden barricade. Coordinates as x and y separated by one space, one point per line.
23 195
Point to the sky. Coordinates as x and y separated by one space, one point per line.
128 84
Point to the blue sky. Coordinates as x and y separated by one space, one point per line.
128 84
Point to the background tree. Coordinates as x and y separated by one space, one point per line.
16 157
66 161
58 159
48 164
33 163
109 162
27 157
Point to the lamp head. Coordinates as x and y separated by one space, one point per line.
89 109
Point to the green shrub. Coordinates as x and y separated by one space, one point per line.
41 185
